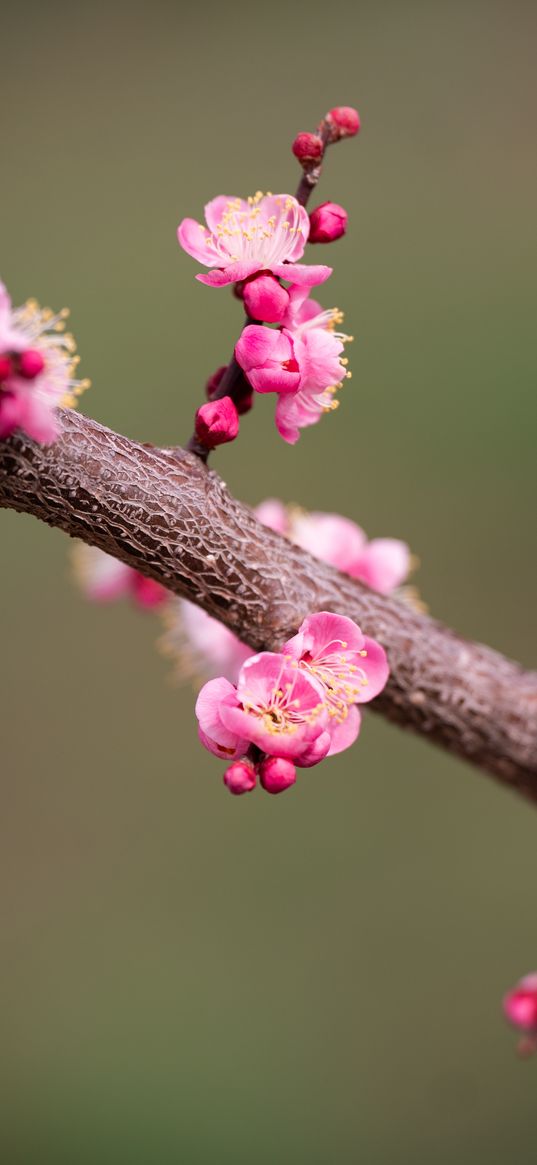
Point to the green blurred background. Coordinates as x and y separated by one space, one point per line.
316 977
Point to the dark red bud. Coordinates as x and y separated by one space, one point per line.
217 422
308 148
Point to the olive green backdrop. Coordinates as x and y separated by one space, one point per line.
313 978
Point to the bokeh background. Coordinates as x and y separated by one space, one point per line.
316 977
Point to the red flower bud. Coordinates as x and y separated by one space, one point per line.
277 774
30 364
328 222
240 777
6 368
344 122
265 298
308 148
217 422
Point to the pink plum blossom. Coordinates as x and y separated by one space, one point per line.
382 563
302 362
102 579
275 706
520 1008
37 364
265 233
350 668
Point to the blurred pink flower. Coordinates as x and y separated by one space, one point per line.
520 1008
37 364
265 233
102 578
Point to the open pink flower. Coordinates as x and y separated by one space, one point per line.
275 706
383 563
37 364
102 578
265 233
302 363
268 358
317 349
350 668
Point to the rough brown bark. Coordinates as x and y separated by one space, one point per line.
163 512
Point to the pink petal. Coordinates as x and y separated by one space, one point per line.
345 732
319 632
231 273
192 238
315 751
376 668
256 345
330 537
214 696
217 207
383 564
272 513
300 274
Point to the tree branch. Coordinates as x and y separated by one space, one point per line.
164 513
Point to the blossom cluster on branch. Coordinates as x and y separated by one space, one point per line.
269 713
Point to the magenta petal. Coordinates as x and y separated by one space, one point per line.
376 668
192 238
301 274
232 273
383 564
256 345
274 378
224 752
315 751
324 630
346 732
213 697
217 207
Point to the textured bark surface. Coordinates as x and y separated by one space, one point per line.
164 513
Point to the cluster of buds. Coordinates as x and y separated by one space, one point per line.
292 708
37 366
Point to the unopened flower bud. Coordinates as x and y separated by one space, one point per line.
147 593
308 148
6 368
217 422
328 222
344 122
277 774
240 778
265 298
213 382
30 364
520 1005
